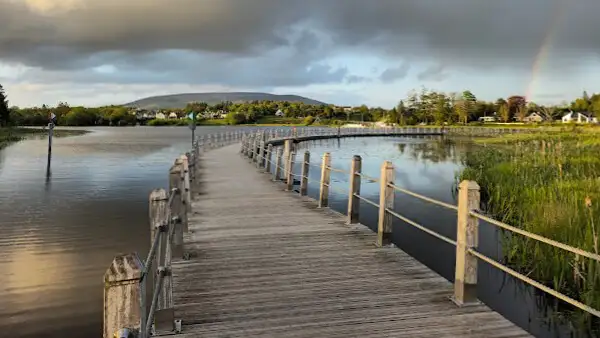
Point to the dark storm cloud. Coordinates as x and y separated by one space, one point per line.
433 73
393 74
284 42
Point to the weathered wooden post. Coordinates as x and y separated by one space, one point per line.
325 180
277 171
185 191
268 158
122 295
353 200
287 151
467 237
290 173
177 208
159 223
386 201
261 154
304 174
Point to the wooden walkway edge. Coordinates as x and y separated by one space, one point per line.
268 263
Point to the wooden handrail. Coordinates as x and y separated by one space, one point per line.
468 213
126 280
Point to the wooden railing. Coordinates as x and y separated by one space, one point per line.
259 148
126 311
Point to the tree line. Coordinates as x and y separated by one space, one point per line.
424 106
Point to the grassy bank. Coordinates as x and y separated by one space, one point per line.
10 135
548 184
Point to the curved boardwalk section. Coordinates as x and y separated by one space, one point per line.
267 263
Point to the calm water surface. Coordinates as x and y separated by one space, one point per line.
60 234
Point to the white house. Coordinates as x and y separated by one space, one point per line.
279 113
584 117
172 115
161 116
533 117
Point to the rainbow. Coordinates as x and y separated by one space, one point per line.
542 55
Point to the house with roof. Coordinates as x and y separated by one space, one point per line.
279 113
533 117
579 117
160 116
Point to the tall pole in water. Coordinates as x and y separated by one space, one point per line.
50 134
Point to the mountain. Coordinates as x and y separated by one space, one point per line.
181 100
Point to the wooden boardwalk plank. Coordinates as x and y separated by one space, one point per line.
268 263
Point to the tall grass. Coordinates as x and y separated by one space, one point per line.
548 184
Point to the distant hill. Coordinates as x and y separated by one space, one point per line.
181 100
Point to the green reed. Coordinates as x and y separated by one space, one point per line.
548 184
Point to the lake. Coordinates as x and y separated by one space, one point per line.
60 233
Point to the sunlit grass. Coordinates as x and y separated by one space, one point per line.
548 184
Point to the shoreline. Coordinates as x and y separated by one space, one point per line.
9 136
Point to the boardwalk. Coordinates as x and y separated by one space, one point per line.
268 263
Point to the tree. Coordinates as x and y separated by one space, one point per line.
4 111
504 113
515 103
547 113
522 113
401 111
461 107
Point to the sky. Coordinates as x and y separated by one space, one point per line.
345 52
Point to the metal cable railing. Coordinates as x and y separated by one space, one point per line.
126 281
467 214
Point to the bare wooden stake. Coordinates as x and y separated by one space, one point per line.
353 200
467 237
304 174
386 201
325 180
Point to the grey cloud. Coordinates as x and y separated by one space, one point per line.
393 74
433 73
285 42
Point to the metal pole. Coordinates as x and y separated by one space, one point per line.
50 133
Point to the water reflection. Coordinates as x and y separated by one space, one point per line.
60 229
